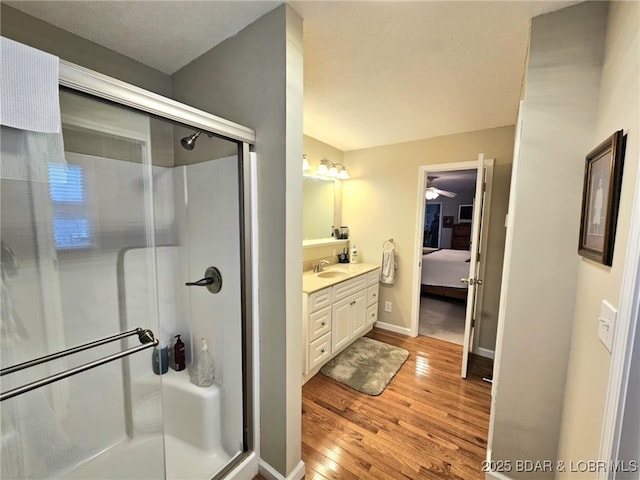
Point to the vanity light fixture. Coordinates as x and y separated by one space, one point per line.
306 166
327 168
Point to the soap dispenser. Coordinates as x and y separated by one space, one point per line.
354 255
205 371
179 356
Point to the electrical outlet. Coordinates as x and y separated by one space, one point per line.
388 306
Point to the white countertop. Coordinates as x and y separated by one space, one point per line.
311 282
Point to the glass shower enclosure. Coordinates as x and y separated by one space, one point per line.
125 250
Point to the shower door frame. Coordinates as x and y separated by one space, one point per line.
102 86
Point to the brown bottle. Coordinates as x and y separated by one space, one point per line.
179 354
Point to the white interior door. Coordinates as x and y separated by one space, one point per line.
474 265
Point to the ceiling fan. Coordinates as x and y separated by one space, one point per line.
434 192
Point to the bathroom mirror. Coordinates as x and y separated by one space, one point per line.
318 207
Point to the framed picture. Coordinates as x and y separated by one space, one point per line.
600 199
447 221
465 213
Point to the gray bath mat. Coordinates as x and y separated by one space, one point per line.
366 365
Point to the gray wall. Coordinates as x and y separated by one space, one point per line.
560 105
249 79
44 36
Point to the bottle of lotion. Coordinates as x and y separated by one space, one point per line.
354 255
179 356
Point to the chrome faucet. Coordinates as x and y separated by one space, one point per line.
320 266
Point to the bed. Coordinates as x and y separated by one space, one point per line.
442 270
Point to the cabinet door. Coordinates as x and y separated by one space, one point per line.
349 287
320 299
372 294
319 323
319 350
341 324
373 277
372 314
358 313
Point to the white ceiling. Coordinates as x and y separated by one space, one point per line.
375 73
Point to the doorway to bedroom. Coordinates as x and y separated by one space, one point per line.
450 250
446 240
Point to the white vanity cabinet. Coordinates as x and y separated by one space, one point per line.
337 315
349 320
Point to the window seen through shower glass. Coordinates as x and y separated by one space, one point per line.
71 224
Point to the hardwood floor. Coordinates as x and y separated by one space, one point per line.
427 424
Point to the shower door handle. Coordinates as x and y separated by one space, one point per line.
212 280
203 282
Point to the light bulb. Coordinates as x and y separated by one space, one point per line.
431 195
333 171
322 169
343 174
305 164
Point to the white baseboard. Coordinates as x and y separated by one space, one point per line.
270 473
485 352
298 472
394 328
247 469
496 476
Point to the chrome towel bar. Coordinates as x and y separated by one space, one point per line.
146 337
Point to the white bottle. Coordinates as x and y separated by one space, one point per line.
353 257
205 366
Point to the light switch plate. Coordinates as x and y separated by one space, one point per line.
607 324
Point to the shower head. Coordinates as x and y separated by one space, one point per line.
189 142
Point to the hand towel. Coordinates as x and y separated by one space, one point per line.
29 88
388 266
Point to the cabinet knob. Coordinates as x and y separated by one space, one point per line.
322 351
374 294
324 323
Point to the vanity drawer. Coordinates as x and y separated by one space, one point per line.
344 289
319 323
319 350
372 294
373 277
372 314
321 298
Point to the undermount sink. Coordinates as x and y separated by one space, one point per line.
333 274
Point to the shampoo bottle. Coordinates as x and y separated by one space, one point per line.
205 366
179 356
160 359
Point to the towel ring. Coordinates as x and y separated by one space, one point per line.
384 245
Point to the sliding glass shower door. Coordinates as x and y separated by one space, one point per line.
102 228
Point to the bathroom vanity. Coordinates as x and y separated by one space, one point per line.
339 305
